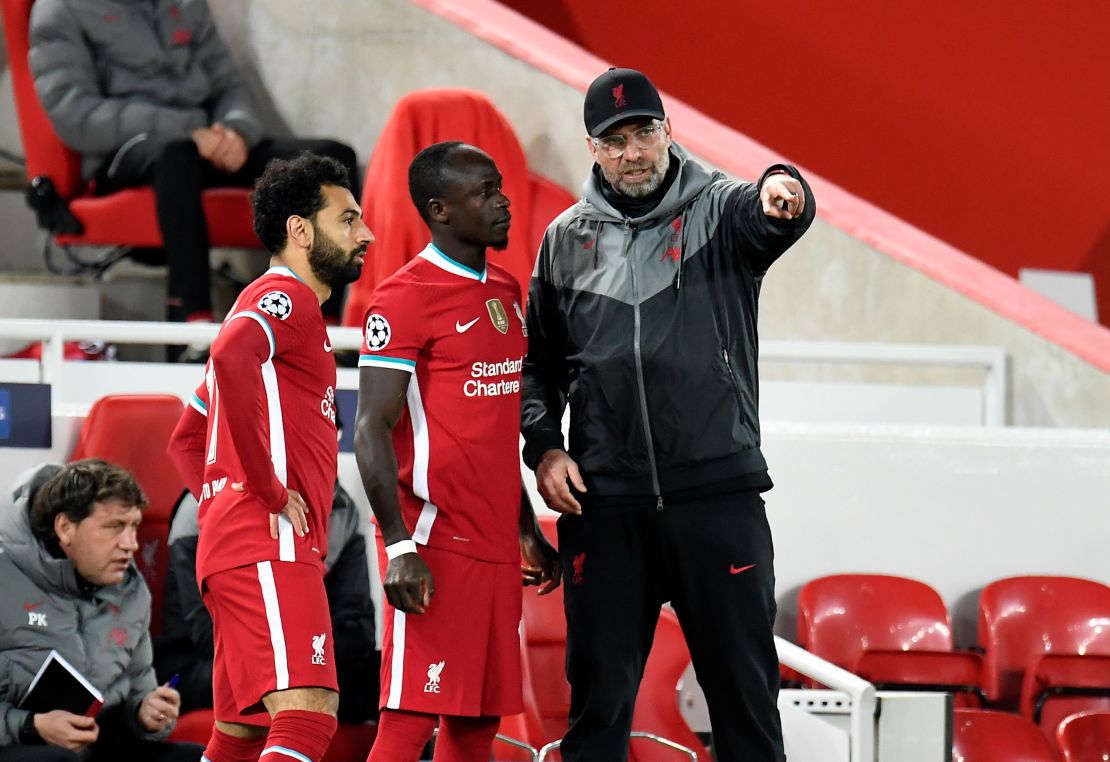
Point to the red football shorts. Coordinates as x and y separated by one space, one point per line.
272 631
462 656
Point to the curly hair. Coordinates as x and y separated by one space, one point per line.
428 174
75 488
292 186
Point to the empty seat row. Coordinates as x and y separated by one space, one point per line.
1045 640
988 736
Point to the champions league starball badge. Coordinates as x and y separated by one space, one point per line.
276 304
377 332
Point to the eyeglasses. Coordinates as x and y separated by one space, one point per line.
614 146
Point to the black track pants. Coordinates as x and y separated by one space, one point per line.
713 559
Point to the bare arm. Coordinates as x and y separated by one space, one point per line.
408 583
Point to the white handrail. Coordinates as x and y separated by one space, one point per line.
54 333
138 332
862 693
992 360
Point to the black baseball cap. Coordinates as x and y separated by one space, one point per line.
619 94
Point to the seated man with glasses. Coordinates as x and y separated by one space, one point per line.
642 313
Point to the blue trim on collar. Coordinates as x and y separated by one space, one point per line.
467 271
284 270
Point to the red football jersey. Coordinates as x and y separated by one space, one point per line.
461 334
269 399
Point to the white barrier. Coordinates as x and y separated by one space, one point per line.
860 692
991 361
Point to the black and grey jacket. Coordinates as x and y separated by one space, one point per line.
647 327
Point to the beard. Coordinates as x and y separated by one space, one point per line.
330 263
495 238
640 188
500 244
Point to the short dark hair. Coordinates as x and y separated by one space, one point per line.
428 174
292 186
75 488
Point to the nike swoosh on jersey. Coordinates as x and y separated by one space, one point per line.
327 346
733 569
464 327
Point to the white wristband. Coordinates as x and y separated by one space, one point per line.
400 549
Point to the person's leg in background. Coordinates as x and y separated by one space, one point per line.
178 175
401 736
193 671
117 741
465 739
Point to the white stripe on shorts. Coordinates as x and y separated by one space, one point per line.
273 619
397 665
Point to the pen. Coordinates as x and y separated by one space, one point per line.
173 681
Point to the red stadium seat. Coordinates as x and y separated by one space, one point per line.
193 727
418 120
126 218
132 431
1084 737
892 631
983 736
1047 642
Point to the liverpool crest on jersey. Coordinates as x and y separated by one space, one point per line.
498 315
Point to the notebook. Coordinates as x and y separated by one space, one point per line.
58 685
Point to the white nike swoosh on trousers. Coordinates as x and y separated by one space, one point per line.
327 346
464 327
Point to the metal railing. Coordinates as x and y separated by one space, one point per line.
861 692
55 333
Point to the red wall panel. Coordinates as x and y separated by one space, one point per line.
986 124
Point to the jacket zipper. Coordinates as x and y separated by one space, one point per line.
629 232
732 378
